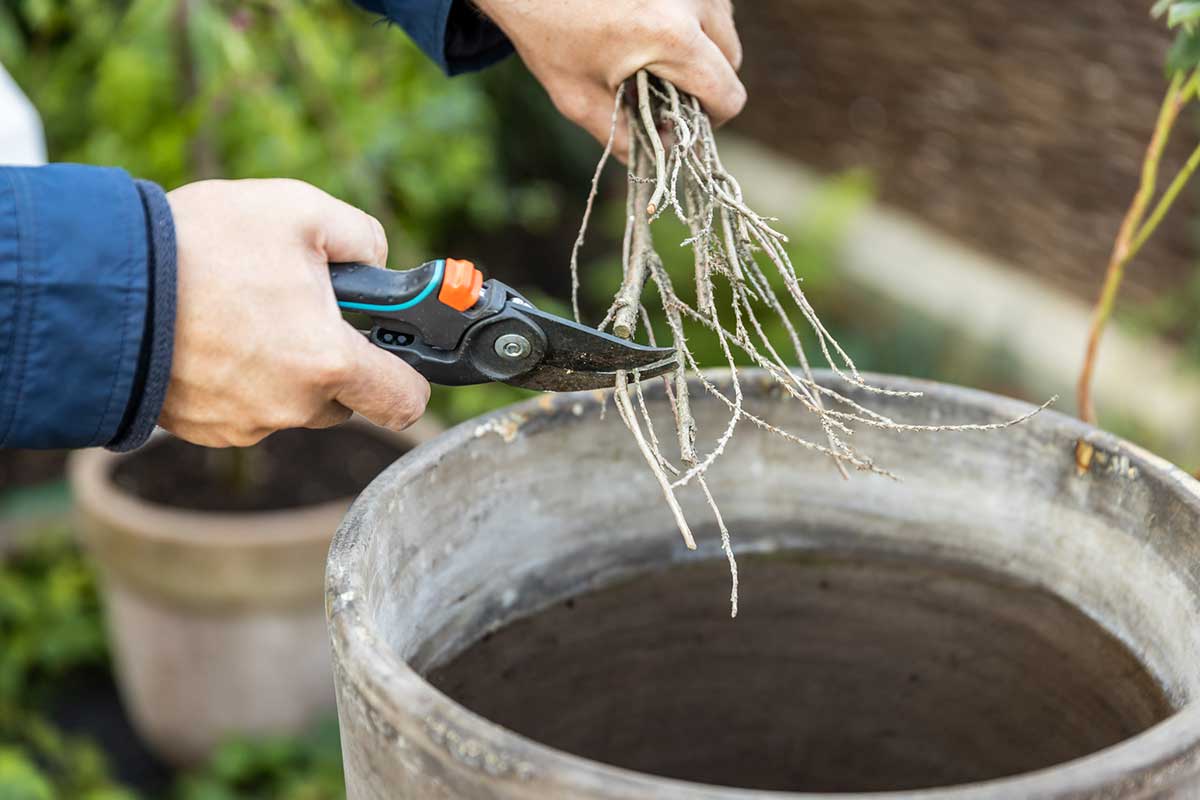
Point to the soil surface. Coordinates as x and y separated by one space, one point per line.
1018 127
289 469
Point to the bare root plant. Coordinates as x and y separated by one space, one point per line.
735 250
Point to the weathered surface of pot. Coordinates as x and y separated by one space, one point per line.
1005 628
215 618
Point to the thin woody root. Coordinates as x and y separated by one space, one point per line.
736 251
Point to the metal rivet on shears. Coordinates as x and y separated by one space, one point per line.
512 345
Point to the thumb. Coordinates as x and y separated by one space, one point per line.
380 386
346 233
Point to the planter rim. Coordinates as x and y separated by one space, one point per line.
393 687
89 473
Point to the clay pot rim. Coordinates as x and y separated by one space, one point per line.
89 473
394 687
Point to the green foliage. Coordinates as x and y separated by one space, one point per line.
304 768
49 618
458 404
20 779
1183 15
310 90
50 625
42 758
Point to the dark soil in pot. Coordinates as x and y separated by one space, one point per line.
843 672
289 469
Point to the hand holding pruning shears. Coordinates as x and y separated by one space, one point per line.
260 343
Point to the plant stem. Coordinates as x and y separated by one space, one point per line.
660 168
1178 94
1165 202
641 246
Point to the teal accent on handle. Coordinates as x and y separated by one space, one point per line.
439 268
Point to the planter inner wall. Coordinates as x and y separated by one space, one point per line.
990 614
846 671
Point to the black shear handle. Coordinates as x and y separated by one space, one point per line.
382 292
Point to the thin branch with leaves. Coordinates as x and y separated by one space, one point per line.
1141 221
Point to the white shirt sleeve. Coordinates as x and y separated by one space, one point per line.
21 139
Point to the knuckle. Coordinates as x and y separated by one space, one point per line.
302 199
283 418
331 368
572 103
653 29
409 409
246 437
295 186
682 33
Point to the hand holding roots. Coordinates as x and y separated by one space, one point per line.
735 249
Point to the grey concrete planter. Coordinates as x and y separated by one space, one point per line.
992 626
215 618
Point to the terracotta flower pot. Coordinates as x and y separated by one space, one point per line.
215 617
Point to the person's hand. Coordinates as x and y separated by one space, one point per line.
259 342
581 50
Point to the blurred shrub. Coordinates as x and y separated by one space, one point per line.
49 618
273 768
184 90
42 763
50 625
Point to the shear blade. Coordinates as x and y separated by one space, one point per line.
579 358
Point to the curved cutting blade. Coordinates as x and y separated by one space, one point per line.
578 357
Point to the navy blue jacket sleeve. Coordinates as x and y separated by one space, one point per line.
453 33
87 304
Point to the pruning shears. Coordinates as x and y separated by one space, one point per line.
456 329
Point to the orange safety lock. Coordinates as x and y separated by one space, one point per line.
462 284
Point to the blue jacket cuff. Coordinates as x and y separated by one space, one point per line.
154 365
472 40
73 303
453 33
